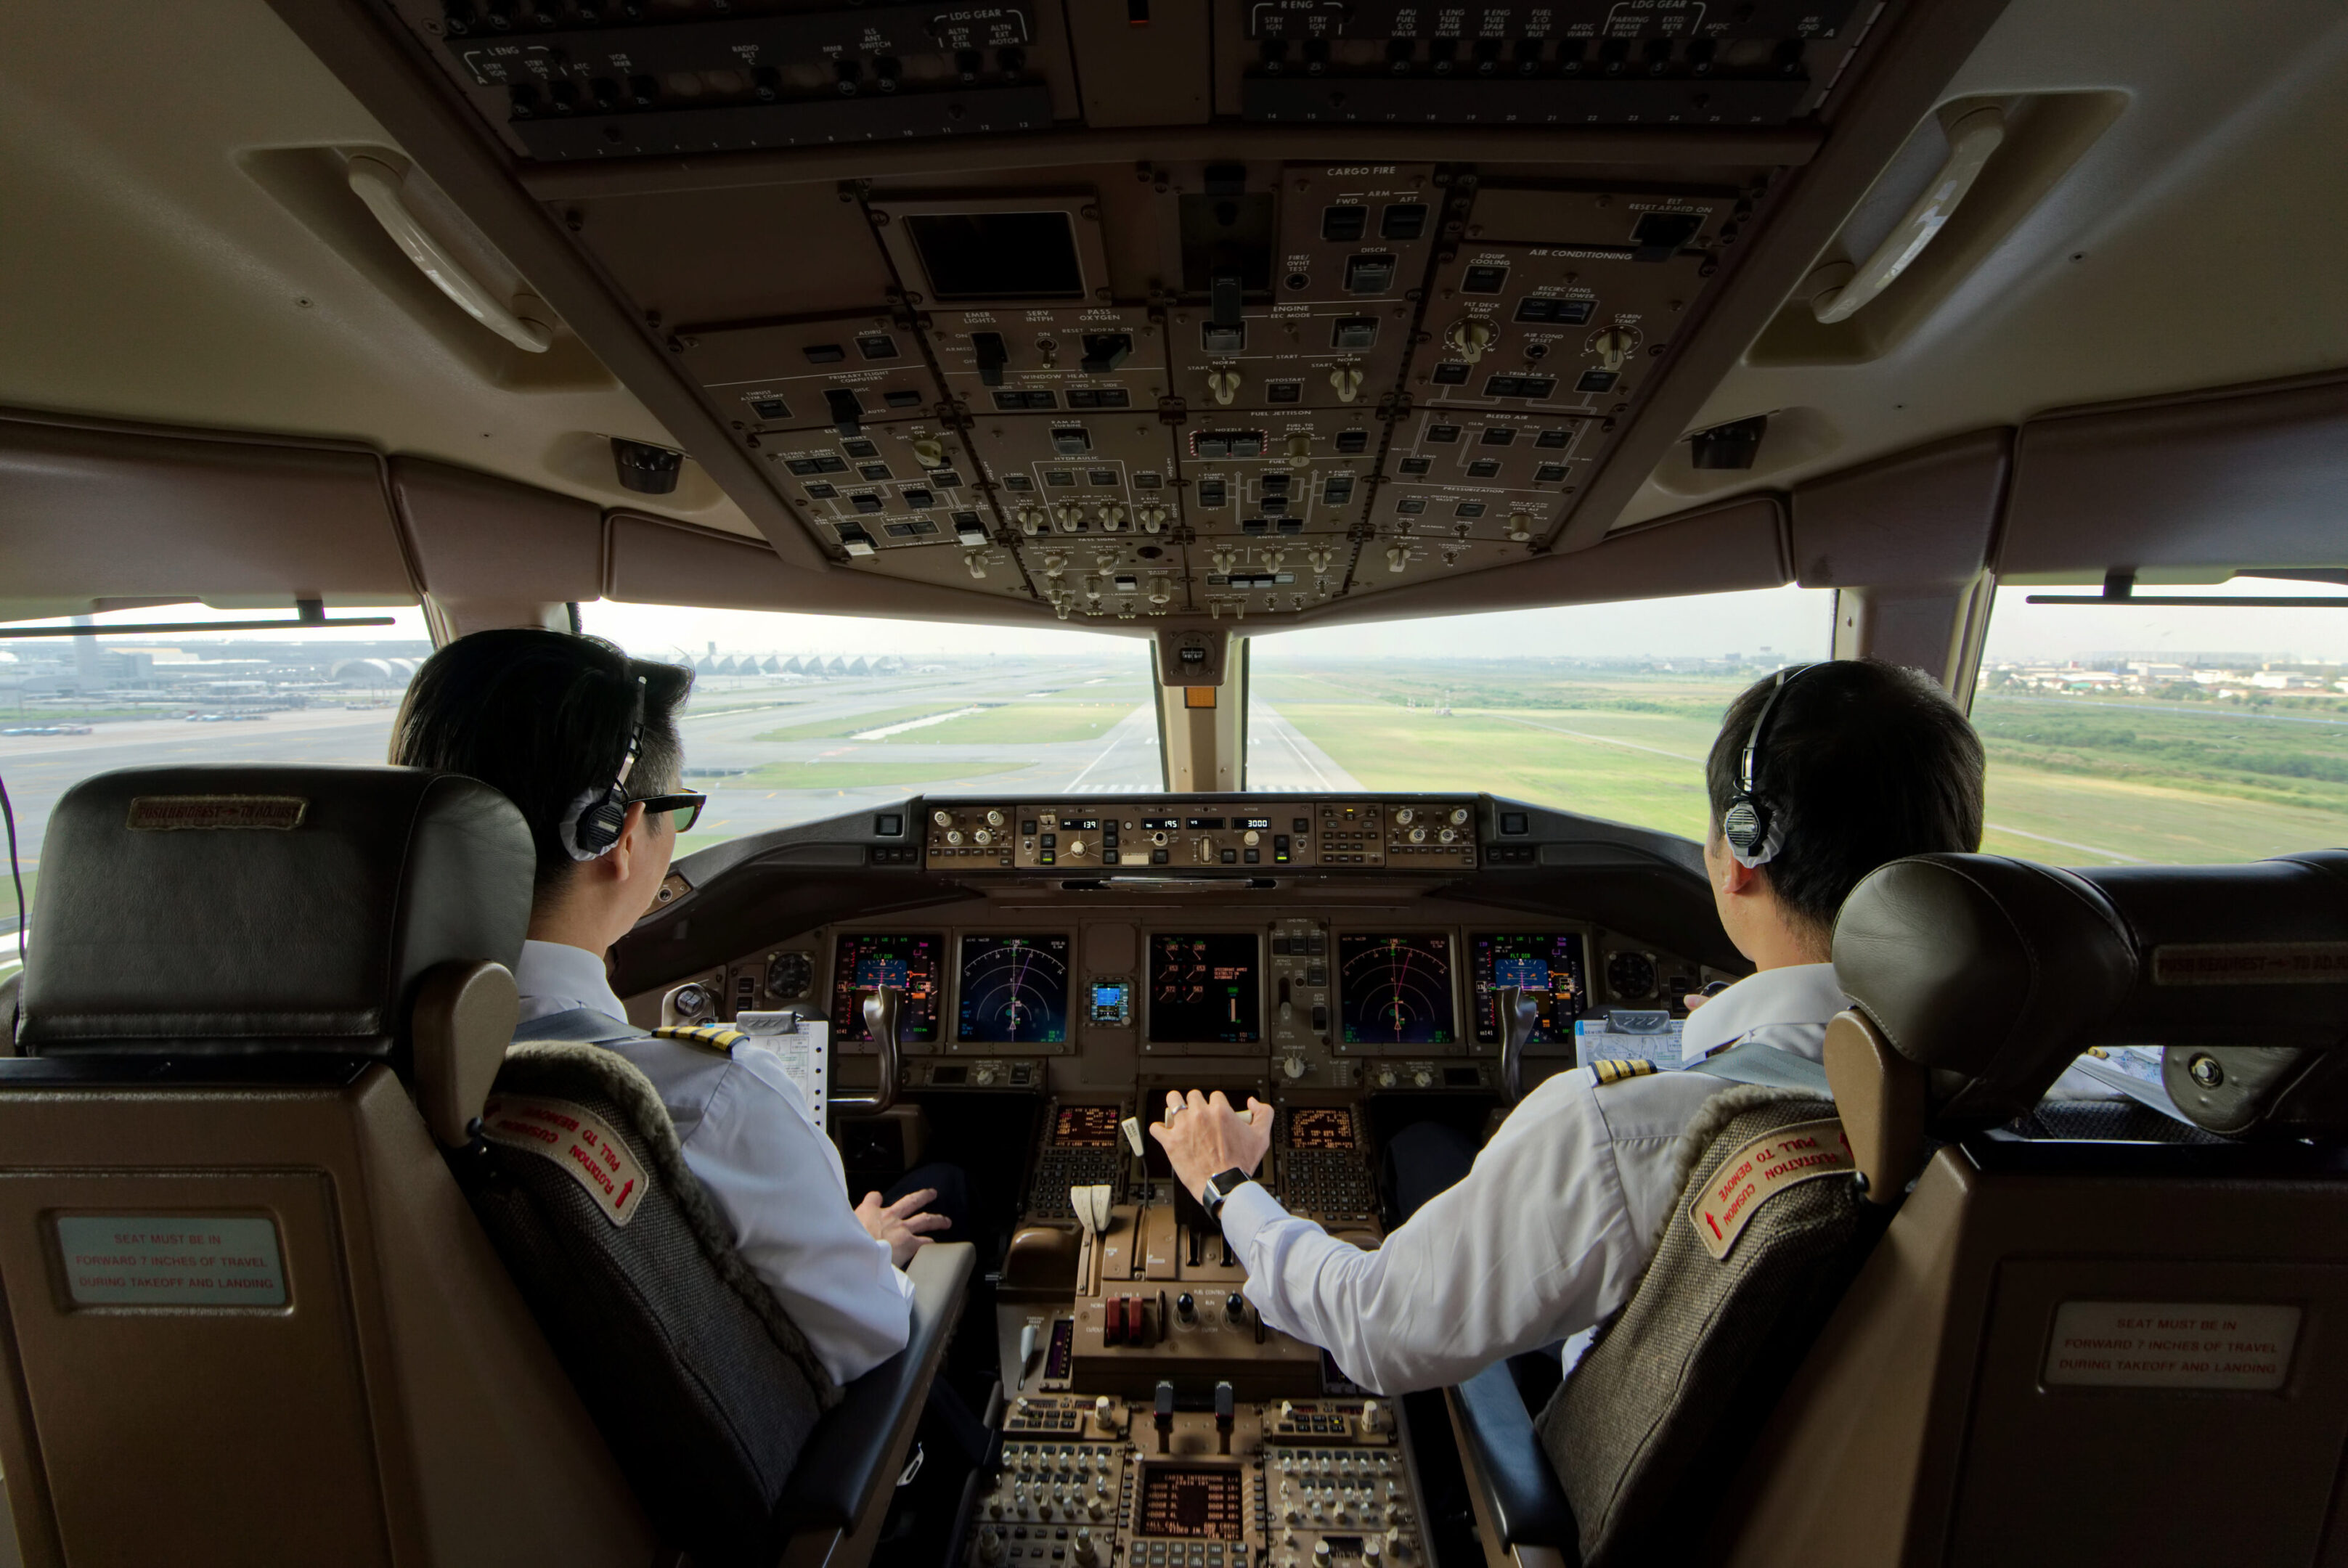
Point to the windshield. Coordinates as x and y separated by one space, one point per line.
798 717
2183 733
73 706
1605 710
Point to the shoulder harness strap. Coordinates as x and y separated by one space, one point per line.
1614 1070
716 1037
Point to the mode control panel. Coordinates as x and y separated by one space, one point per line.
1202 832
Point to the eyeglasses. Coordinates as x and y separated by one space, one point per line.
686 805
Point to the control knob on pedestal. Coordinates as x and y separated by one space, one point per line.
1386 1078
1293 1065
1422 1079
1234 1307
1185 1308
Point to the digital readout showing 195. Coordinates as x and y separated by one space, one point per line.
866 961
1548 965
1205 987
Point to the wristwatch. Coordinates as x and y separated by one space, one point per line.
1220 1187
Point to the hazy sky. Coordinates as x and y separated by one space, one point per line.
1790 621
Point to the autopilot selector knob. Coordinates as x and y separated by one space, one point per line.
1291 1066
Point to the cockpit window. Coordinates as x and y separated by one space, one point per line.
796 717
2164 733
75 705
1606 710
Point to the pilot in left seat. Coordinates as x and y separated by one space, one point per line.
585 740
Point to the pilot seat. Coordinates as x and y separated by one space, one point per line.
252 1315
1934 1335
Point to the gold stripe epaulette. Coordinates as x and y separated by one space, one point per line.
1614 1070
714 1037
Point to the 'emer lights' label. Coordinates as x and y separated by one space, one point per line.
171 1260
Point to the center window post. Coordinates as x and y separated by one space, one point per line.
1201 709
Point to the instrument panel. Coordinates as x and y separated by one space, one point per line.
1413 834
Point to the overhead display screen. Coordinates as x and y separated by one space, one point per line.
1205 987
867 960
1087 1126
1548 965
1199 1503
1396 990
1320 1127
1014 989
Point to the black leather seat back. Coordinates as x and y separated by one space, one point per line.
228 910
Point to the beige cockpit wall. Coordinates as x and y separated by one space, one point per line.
103 515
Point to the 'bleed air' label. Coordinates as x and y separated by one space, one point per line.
1759 1171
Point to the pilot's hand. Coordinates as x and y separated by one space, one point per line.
901 1224
1693 1001
1204 1137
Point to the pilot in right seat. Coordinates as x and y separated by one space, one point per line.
585 740
1820 773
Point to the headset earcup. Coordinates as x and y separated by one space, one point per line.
1744 825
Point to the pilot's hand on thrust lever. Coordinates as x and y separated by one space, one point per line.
901 1224
1204 1136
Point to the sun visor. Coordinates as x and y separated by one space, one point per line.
2248 477
91 511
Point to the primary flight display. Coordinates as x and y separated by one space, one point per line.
1549 968
867 960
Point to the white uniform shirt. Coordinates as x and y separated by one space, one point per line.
1547 1233
777 1180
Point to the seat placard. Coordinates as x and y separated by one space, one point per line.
2171 1345
1761 1170
2250 964
213 812
581 1143
171 1260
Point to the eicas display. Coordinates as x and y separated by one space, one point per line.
1205 987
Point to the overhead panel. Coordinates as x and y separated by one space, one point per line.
838 373
1582 62
592 81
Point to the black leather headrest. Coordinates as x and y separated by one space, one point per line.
226 910
1997 973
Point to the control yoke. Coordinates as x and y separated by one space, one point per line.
881 1006
1519 1014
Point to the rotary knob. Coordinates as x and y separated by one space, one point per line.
994 819
1459 817
953 836
1422 1079
1402 815
1076 847
1418 835
1291 1066
982 1076
982 837
1252 838
943 818
1386 1078
1158 839
1448 836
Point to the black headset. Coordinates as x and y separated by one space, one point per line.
593 824
1747 822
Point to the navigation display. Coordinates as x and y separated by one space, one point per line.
1548 964
1320 1127
1205 987
1014 989
1087 1126
1396 990
866 960
1199 1503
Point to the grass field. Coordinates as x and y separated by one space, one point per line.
856 723
1024 724
899 768
2071 780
